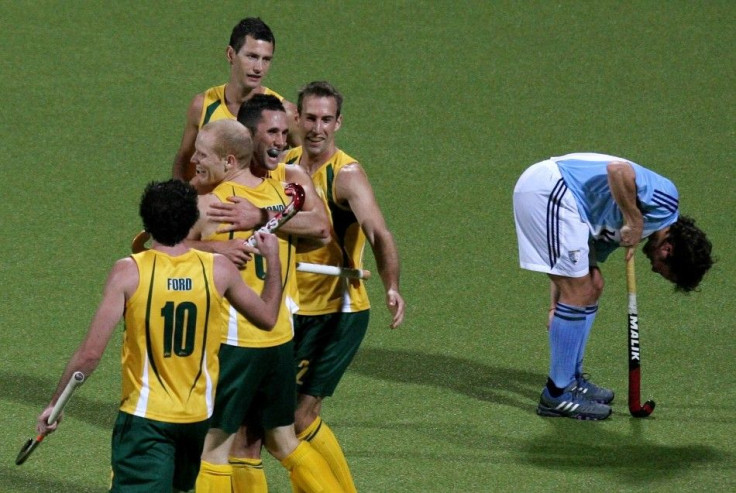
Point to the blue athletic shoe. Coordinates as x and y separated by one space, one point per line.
592 392
571 404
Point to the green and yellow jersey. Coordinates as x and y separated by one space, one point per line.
269 194
173 325
215 107
320 294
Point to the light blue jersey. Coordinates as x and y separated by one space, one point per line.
586 177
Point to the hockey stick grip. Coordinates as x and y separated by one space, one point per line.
630 277
74 382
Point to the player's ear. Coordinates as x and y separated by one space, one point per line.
230 162
230 54
338 123
666 248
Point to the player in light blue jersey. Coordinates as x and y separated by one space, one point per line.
573 211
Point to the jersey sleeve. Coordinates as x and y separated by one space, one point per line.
657 198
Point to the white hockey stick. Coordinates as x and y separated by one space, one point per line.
74 382
331 270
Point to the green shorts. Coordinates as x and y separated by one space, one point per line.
325 346
256 388
150 455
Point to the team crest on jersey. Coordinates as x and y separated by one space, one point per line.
574 256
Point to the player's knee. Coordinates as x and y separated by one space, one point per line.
303 418
597 283
307 411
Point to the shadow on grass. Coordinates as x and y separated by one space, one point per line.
630 459
32 390
507 386
15 478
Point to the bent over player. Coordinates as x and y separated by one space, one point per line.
574 210
171 299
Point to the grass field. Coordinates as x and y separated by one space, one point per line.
446 104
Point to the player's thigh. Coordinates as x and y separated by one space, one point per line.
241 371
320 375
312 333
277 391
189 443
552 237
143 456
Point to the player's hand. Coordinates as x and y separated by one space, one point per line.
395 304
237 251
241 215
629 253
631 234
42 427
267 245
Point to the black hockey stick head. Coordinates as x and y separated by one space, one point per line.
643 411
27 448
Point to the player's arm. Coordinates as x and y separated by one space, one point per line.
294 138
261 310
191 129
121 282
352 186
310 222
622 182
235 250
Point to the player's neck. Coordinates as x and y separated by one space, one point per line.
174 251
236 94
312 163
244 176
257 170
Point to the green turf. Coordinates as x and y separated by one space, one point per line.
446 104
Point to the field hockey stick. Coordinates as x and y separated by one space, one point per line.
297 201
635 407
74 382
331 270
139 242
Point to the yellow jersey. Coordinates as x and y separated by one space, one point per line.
318 293
269 194
173 325
215 106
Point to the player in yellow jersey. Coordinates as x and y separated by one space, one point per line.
257 386
171 300
333 312
249 53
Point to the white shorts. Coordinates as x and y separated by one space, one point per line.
552 236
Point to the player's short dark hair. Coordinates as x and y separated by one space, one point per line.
169 210
251 111
253 27
322 89
691 253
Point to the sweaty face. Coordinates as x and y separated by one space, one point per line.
251 63
318 122
209 166
657 249
271 135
